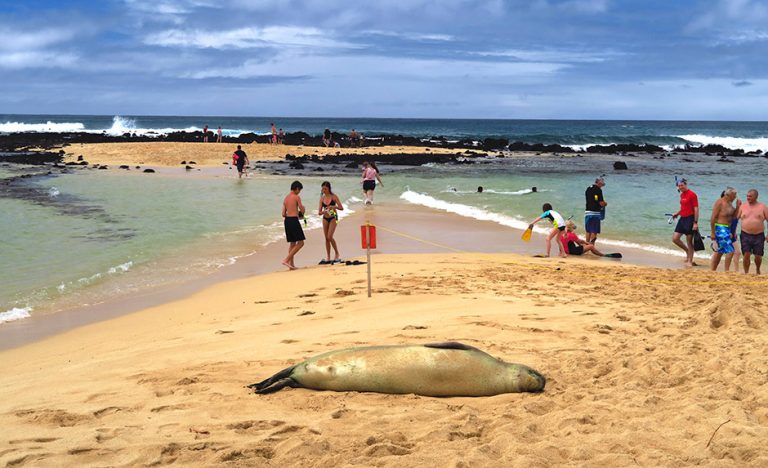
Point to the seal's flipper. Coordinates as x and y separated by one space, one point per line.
451 345
283 374
277 386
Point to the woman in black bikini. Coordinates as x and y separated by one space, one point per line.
328 208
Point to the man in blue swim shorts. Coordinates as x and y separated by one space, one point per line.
593 211
723 213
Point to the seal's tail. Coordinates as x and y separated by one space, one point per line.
276 382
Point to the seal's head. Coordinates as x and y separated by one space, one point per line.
525 379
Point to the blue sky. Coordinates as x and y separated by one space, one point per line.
584 59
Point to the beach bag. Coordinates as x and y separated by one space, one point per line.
698 242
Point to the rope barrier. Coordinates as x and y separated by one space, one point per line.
594 275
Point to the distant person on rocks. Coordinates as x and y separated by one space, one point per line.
280 137
361 140
240 159
558 228
353 138
575 246
327 138
218 135
753 216
205 134
593 212
688 222
274 134
293 210
328 208
723 213
370 176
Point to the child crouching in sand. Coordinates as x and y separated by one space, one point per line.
575 246
558 226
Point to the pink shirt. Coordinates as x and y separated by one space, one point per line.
569 236
369 174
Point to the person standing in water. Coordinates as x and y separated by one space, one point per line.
329 207
370 176
689 220
293 209
558 228
593 212
240 159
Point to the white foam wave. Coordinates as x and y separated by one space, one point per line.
16 313
122 268
54 127
747 144
121 125
85 281
495 192
53 192
519 223
464 210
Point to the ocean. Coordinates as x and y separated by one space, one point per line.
578 134
93 235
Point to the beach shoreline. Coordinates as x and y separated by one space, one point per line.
403 228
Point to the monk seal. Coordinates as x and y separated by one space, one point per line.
438 369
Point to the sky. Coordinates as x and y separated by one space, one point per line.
516 59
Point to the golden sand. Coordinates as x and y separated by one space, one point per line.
214 154
643 365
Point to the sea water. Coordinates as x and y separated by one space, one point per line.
101 234
578 134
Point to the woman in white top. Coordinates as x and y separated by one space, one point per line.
370 176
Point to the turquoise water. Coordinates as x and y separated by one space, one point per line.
106 233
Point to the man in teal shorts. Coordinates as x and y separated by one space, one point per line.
723 213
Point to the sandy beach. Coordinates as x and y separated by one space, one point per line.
643 365
168 154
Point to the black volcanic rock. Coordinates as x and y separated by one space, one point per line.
540 148
149 171
620 166
626 148
31 158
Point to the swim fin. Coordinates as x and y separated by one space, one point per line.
527 234
613 255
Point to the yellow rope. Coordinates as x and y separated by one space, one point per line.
541 267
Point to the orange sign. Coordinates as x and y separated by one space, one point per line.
368 236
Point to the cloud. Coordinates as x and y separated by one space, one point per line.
22 40
551 55
587 6
245 38
367 67
733 20
741 84
36 59
20 49
410 35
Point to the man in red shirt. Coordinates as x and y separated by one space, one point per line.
689 220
